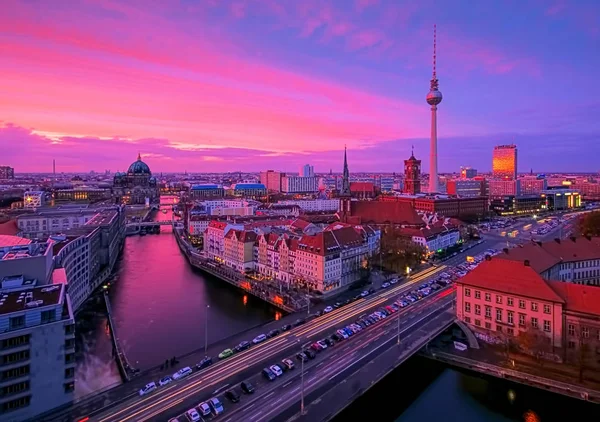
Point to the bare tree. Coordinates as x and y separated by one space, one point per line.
533 342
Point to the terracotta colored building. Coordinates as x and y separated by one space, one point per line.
445 206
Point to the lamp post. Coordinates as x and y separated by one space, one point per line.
206 330
398 318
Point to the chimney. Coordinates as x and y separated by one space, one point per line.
488 257
539 243
505 250
557 240
573 238
526 263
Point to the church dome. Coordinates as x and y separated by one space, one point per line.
139 167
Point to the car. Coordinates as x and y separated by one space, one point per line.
276 370
204 408
216 406
273 333
286 327
193 415
310 354
204 363
232 395
328 341
298 322
268 374
393 281
323 344
336 336
242 346
327 310
288 363
259 339
385 285
337 305
364 293
342 333
225 354
348 331
165 380
301 357
182 373
247 387
316 347
148 388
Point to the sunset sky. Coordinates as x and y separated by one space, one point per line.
220 85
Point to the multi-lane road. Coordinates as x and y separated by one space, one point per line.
179 396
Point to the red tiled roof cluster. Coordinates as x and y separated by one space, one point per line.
360 187
331 241
382 212
578 297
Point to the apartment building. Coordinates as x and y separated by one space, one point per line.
314 205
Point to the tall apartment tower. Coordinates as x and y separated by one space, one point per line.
307 171
434 97
412 175
504 162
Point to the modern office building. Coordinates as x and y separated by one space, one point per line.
464 188
504 162
249 190
207 191
272 180
504 187
81 194
532 185
517 205
314 205
467 172
37 331
34 199
137 185
561 199
7 172
307 171
299 184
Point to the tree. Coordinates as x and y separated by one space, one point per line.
589 224
533 342
398 251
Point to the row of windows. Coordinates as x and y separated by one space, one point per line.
584 332
12 342
11 390
510 315
15 357
16 404
509 330
21 371
509 301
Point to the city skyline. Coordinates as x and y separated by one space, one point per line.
264 85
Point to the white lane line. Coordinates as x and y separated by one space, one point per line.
287 383
256 415
269 395
249 407
319 364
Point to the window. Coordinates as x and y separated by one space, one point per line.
467 307
13 342
499 315
70 358
478 322
521 304
509 301
510 331
488 325
510 317
521 320
16 404
571 329
21 371
571 344
488 297
468 320
14 357
534 322
488 312
69 387
546 309
547 326
48 316
468 292
11 390
477 294
69 372
15 323
499 299
534 306
477 309
585 332
499 328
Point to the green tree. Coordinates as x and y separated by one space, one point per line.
399 251
589 224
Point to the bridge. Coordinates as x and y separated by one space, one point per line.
149 226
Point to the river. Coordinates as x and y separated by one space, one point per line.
159 307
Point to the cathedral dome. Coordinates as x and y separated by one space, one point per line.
139 167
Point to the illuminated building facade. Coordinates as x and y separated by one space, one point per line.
137 186
561 199
7 172
467 172
504 162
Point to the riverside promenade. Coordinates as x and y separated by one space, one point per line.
125 369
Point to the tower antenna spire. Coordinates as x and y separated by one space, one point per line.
434 49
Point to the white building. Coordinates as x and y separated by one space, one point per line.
45 223
298 184
435 238
314 205
37 332
34 199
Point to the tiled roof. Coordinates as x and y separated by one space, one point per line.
359 187
578 297
301 224
9 228
9 240
329 242
382 212
217 224
510 277
544 255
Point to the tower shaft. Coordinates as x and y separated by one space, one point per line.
433 162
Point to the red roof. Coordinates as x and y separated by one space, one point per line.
510 277
9 228
578 297
329 242
384 212
359 187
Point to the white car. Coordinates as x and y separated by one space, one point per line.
193 415
365 293
327 310
148 388
204 408
385 285
322 344
182 373
259 339
276 370
164 381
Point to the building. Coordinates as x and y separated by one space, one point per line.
238 249
446 206
299 184
589 189
505 301
237 207
314 205
434 238
137 186
561 199
386 183
363 190
504 162
467 173
532 185
82 194
272 180
517 205
34 199
249 190
42 224
307 171
505 187
7 172
412 175
207 191
434 98
464 188
575 260
277 209
37 331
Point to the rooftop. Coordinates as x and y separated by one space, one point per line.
249 186
206 186
7 240
578 297
30 298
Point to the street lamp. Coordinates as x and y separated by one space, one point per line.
206 330
398 317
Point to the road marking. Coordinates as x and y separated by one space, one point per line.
248 407
269 395
320 364
287 383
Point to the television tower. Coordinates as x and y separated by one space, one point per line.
434 97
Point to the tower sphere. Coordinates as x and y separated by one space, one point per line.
434 97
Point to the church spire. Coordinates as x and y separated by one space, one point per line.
139 156
345 177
